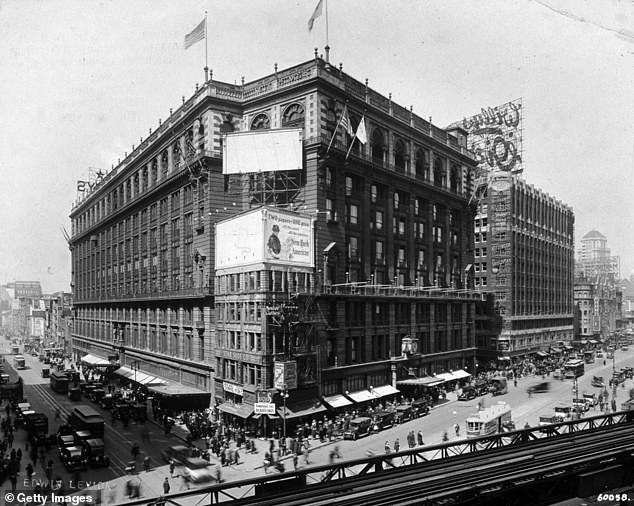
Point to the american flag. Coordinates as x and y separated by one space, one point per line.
345 122
196 35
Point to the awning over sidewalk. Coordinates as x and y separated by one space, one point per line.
542 354
95 360
177 396
445 376
304 408
361 396
240 410
592 341
337 401
461 374
427 381
139 377
384 391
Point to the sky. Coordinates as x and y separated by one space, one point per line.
82 81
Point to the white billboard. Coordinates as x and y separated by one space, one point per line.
262 151
265 235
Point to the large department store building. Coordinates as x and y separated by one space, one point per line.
384 298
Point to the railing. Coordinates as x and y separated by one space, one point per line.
367 289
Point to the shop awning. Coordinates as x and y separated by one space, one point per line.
426 381
445 376
337 401
240 410
94 360
303 408
584 341
384 391
542 354
592 341
139 377
181 397
361 396
461 374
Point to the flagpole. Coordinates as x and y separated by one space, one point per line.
206 50
335 132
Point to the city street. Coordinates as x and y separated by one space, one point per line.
118 440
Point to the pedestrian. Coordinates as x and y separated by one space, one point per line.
135 450
397 445
420 438
456 429
14 482
387 447
146 463
295 459
166 486
29 471
172 467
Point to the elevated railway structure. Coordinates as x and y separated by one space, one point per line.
532 466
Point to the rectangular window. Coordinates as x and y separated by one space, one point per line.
421 258
354 248
373 193
401 257
379 220
401 227
353 214
348 186
330 209
379 250
397 200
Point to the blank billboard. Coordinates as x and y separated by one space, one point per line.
262 151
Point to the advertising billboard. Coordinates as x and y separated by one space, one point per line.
265 235
495 137
262 151
285 375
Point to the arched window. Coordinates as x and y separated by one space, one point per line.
261 122
456 178
293 116
400 155
376 146
422 164
439 172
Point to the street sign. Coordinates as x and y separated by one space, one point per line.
264 408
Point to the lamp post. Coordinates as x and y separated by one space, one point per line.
284 397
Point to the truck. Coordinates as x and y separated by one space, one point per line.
36 425
499 385
85 417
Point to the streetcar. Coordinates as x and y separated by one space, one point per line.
491 420
574 368
19 362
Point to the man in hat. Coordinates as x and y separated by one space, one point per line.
274 245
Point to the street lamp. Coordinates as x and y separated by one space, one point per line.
284 394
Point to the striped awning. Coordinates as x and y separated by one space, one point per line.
337 401
94 360
384 391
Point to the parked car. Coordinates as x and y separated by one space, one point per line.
597 381
382 420
420 407
549 419
404 413
580 405
358 427
468 393
64 441
106 401
564 412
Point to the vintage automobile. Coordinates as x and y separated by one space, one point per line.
404 413
539 388
121 410
420 407
197 470
97 394
177 453
468 393
358 427
591 399
580 405
550 418
106 401
45 372
64 441
597 381
382 420
73 458
564 412
74 394
94 452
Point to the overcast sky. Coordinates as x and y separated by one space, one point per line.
82 81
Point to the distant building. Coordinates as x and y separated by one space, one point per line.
524 257
594 258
